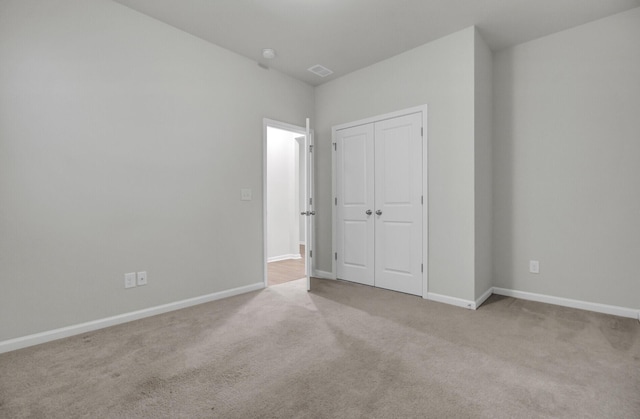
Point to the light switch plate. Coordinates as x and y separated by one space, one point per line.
142 278
245 194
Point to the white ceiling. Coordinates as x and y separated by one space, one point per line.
345 35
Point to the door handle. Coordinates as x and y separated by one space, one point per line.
308 213
378 212
303 213
368 212
312 213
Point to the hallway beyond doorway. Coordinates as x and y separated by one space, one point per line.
286 270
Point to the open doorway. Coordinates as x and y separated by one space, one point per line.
285 210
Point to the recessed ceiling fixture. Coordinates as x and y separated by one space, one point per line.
269 53
320 70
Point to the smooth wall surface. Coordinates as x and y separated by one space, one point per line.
567 163
124 144
441 75
483 113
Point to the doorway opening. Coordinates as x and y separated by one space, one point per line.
286 195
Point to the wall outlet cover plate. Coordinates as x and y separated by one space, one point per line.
142 278
534 267
246 194
130 280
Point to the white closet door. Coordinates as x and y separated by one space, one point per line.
398 204
355 189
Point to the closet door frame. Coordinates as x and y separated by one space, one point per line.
425 212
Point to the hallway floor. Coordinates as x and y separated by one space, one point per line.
285 270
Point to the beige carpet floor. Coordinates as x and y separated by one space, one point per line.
341 351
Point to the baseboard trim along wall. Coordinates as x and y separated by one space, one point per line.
541 298
48 336
284 257
567 302
459 302
51 335
483 298
323 274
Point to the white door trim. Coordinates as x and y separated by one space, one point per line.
309 206
266 122
425 185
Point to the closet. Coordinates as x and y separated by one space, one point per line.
379 202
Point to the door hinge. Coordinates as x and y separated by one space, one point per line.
335 255
335 146
422 200
310 201
422 131
422 267
310 253
310 148
335 200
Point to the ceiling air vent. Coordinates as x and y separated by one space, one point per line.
320 70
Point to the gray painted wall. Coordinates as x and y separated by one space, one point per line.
124 144
567 163
441 75
483 113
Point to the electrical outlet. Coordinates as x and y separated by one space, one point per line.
534 266
130 280
245 194
142 278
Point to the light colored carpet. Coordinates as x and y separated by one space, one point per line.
341 351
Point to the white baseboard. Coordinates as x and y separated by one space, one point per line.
323 274
284 257
50 335
567 302
483 298
459 302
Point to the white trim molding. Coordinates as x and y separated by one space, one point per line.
454 301
483 298
284 257
567 302
51 335
459 302
323 274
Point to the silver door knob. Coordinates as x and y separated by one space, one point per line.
368 212
378 212
303 213
312 213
